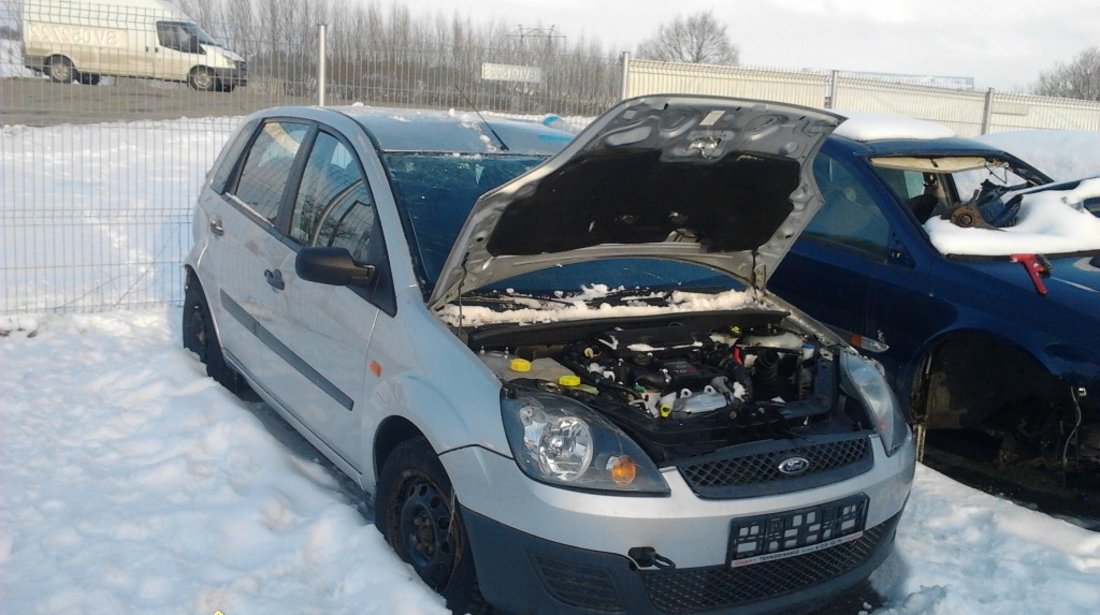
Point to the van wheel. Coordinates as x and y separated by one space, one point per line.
202 79
416 513
200 337
60 69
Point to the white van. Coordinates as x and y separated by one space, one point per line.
80 40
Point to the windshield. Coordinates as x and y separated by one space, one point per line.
435 193
200 35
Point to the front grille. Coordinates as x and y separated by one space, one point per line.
751 472
579 586
714 587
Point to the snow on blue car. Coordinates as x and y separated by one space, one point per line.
969 276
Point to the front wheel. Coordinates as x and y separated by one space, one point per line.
417 514
203 79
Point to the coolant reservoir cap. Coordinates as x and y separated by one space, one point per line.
569 381
520 365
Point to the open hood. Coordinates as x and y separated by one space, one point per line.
717 182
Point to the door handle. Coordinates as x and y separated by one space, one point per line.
275 279
216 227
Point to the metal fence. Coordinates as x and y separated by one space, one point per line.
110 114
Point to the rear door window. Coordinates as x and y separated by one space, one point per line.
267 167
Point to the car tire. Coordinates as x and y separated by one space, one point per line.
416 513
201 338
202 79
60 69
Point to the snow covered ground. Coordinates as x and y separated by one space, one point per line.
131 482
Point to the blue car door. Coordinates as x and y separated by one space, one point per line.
854 267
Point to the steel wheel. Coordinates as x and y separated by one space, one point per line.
419 517
60 69
203 79
424 527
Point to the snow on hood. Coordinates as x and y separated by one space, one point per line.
711 181
864 127
1049 222
586 305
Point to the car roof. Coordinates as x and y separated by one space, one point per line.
455 131
421 130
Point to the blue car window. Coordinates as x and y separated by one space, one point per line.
849 218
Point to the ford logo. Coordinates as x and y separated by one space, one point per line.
794 465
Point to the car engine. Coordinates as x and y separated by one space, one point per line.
683 390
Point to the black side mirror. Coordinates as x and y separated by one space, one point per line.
332 266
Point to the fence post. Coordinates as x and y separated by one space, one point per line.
987 112
626 76
321 64
830 91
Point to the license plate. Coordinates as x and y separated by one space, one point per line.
770 537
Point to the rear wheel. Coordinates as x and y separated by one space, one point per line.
417 514
60 69
200 337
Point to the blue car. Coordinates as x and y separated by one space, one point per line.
913 259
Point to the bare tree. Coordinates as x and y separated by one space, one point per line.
698 39
1078 79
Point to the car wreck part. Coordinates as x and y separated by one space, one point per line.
1036 265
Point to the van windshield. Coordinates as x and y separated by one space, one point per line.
183 36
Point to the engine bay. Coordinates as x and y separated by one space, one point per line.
687 387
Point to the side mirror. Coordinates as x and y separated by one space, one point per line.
332 266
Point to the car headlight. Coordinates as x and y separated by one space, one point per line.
865 382
560 441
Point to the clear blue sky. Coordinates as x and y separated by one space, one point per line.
1000 43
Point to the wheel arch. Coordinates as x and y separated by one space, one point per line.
951 380
191 276
391 432
53 57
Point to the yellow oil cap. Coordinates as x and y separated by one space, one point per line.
570 381
520 365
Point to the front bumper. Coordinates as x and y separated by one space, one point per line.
236 77
521 573
543 549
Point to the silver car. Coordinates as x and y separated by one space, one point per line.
551 362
